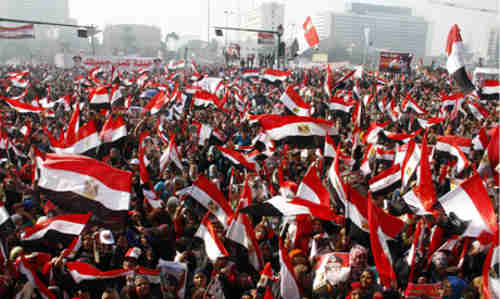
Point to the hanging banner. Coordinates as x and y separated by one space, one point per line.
394 62
122 62
264 38
20 32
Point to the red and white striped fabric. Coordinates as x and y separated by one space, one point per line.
22 107
393 110
480 142
371 134
328 82
213 245
410 103
81 271
250 73
66 224
330 151
275 75
99 96
489 163
470 202
387 179
478 110
204 98
204 132
289 287
171 154
113 129
339 104
24 267
429 122
86 139
209 196
444 143
279 127
241 230
491 282
383 154
383 227
311 188
456 62
310 33
343 79
174 65
157 101
404 137
490 87
73 248
292 100
18 32
410 162
92 180
239 159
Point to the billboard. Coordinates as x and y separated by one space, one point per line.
395 62
264 38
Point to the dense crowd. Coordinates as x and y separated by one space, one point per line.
162 225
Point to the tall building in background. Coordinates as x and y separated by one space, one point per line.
391 28
493 54
131 39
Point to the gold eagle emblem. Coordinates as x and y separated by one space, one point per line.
212 207
304 129
90 189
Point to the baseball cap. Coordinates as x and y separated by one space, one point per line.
134 252
106 237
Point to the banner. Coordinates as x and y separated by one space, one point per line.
122 62
20 32
416 291
264 38
394 62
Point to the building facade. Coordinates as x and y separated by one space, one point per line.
391 28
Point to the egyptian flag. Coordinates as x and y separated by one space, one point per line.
81 271
298 130
117 98
383 227
372 133
471 203
338 104
410 162
204 99
311 188
491 277
401 137
429 122
386 181
6 224
340 83
275 76
423 197
86 140
267 278
191 89
239 159
490 90
410 103
250 73
242 232
81 184
93 73
480 142
456 62
292 100
454 146
157 101
61 228
171 154
174 65
289 287
488 168
478 110
383 154
114 128
210 197
213 244
21 106
203 132
99 98
310 33
328 82
27 269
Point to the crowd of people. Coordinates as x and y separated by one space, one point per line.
158 248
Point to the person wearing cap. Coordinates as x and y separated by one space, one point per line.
131 259
106 252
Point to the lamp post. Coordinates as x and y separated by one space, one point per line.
279 32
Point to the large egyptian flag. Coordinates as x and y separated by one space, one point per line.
61 228
289 287
81 184
99 98
114 129
86 140
456 62
490 90
300 131
471 203
386 181
210 197
292 100
383 228
275 76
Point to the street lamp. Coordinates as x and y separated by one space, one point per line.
279 32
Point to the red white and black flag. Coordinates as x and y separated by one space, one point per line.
213 244
488 168
386 181
6 224
456 63
19 32
81 184
490 90
292 100
239 159
99 98
114 128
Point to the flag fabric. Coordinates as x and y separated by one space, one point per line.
372 133
6 224
490 90
250 73
171 154
114 128
209 196
289 287
71 224
310 33
157 101
311 188
386 181
383 227
410 103
478 110
19 32
489 163
328 82
239 159
99 98
429 122
445 142
491 279
272 75
456 62
203 132
470 202
292 100
21 106
338 104
410 162
480 142
175 65
81 184
213 244
86 140
330 151
204 98
25 267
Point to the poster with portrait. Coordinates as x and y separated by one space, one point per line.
395 62
173 277
331 268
